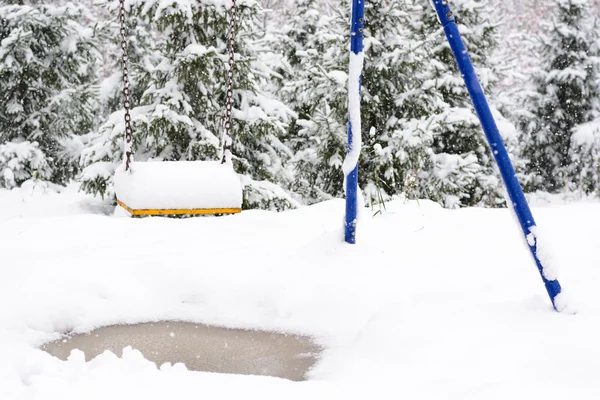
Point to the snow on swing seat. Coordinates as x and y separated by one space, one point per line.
178 188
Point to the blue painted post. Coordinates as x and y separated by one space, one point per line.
356 47
515 192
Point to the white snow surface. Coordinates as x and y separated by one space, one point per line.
178 185
430 304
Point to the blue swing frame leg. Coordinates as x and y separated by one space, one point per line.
515 192
356 46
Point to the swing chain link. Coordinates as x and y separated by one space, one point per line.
227 141
126 87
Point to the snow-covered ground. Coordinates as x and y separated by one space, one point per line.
431 304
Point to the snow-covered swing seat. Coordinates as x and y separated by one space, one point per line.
176 188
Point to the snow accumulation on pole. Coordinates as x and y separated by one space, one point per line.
513 187
350 167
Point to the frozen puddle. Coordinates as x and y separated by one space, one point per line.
200 348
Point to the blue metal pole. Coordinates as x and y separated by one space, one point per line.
515 192
356 46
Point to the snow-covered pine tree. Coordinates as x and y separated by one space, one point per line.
103 146
585 158
314 86
318 92
141 52
396 108
48 68
462 167
181 115
565 96
420 134
584 169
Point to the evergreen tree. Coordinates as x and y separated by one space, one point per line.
48 67
142 54
181 115
319 94
585 157
426 140
565 96
398 109
584 169
103 146
420 134
462 169
314 86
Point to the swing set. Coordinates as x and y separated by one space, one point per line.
178 188
513 187
214 189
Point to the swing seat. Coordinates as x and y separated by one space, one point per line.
178 188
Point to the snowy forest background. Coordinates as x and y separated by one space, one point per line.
61 117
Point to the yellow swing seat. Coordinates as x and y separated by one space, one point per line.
178 188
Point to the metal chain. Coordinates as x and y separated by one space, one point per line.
227 141
126 88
